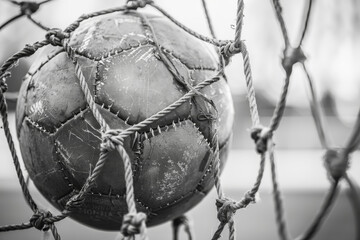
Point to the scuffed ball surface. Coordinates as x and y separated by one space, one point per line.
172 159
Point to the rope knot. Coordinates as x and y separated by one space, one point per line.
226 209
292 56
260 135
28 8
3 84
110 140
336 163
132 223
39 220
75 201
55 36
135 4
229 49
249 198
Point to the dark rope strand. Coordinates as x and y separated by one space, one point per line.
45 1
354 197
37 23
137 127
306 23
315 110
11 20
280 106
9 138
213 41
15 227
278 10
177 223
76 24
27 51
54 232
280 219
208 19
324 210
354 140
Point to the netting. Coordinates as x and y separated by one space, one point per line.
134 222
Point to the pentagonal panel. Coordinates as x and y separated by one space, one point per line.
98 36
137 85
78 141
219 93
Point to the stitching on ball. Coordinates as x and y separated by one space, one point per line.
51 133
49 57
36 125
113 52
188 65
116 114
211 164
208 171
62 166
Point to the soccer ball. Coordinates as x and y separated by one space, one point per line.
172 159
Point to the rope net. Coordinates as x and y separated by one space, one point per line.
134 222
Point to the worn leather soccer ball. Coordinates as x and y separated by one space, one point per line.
172 159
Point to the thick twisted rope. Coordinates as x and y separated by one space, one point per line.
132 217
280 219
42 220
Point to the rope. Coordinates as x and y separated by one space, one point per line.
213 41
306 23
208 19
354 196
315 110
182 221
239 22
324 210
27 8
280 219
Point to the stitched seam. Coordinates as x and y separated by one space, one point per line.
51 133
46 61
113 52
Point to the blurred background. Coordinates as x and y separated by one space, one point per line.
332 47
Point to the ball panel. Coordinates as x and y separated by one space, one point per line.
168 35
21 104
55 95
46 54
132 83
219 93
207 183
41 161
103 212
176 208
181 155
98 36
80 141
